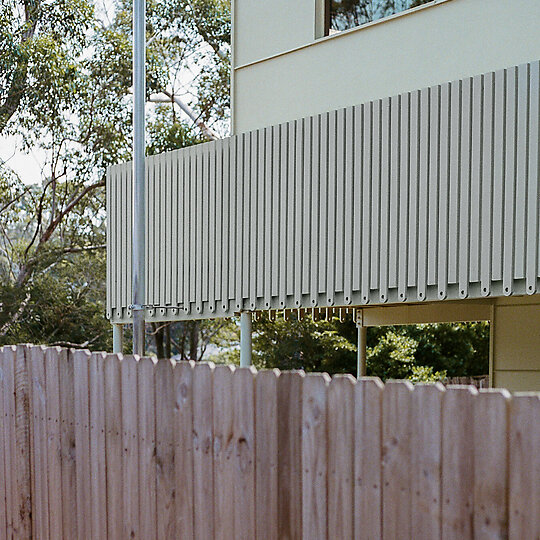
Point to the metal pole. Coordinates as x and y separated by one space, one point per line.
138 240
362 340
245 339
118 338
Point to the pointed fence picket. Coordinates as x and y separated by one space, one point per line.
106 446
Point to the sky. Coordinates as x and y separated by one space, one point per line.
27 166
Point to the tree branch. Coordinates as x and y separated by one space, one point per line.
39 218
16 316
208 132
83 248
69 207
75 345
15 199
18 82
27 268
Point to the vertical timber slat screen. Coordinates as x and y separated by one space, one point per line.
429 195
103 446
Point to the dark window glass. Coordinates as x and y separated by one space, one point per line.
345 14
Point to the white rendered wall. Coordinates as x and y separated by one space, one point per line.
265 28
281 72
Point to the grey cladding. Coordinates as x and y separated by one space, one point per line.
432 194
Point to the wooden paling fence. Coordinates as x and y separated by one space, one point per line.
104 446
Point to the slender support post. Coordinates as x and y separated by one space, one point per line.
138 238
118 338
245 339
362 340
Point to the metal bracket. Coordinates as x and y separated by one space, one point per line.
140 307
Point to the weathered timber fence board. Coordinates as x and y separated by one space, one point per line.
3 484
23 446
368 458
147 443
68 447
224 451
164 453
40 498
81 360
314 452
98 464
266 455
8 437
105 446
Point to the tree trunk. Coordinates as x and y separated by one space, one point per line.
194 340
168 341
157 330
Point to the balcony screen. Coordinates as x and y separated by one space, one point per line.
345 14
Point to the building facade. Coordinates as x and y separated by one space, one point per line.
390 169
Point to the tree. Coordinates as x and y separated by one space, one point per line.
38 41
425 352
302 344
65 89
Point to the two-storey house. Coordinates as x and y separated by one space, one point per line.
384 159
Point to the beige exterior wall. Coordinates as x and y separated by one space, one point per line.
516 343
282 72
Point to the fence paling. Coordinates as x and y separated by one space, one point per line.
105 446
314 452
340 434
165 465
426 460
8 437
23 442
266 455
113 445
368 458
203 481
82 442
146 427
524 476
98 469
224 450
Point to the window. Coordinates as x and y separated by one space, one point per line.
344 14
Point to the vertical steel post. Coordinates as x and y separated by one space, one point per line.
245 339
362 340
118 338
138 237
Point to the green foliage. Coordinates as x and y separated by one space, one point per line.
166 132
207 25
302 344
420 353
64 305
40 43
459 349
425 374
65 78
392 357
